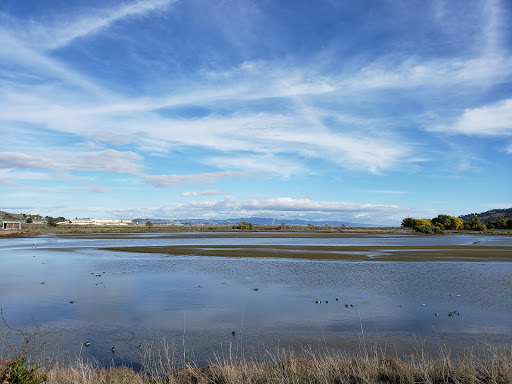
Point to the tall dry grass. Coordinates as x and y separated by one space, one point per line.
164 366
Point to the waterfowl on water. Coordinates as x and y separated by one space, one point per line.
113 350
233 333
86 344
318 301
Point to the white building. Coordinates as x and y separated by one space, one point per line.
10 224
98 222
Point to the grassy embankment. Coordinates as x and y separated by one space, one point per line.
495 366
35 229
29 230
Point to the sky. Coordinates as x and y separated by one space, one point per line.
360 111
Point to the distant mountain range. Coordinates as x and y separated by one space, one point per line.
256 221
492 215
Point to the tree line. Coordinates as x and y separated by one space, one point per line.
439 224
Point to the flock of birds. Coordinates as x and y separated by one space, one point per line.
450 314
233 333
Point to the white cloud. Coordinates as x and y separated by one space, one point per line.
290 204
96 188
284 208
213 192
173 181
267 163
104 161
66 29
489 120
415 72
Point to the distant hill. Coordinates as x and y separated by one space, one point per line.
252 220
270 221
492 215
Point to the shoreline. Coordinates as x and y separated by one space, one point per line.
228 230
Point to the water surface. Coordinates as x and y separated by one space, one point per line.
198 302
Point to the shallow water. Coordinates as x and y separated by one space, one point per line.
198 302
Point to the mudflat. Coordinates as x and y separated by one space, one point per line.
470 253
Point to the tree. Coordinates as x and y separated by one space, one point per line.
29 220
447 222
476 225
245 225
51 221
409 222
149 224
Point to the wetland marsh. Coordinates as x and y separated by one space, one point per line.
245 293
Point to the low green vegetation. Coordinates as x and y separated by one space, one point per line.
500 224
17 371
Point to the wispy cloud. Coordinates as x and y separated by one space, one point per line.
64 31
103 161
201 179
212 192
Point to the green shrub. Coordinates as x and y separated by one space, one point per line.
245 225
429 230
16 372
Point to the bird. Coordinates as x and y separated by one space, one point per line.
346 305
113 349
233 333
71 302
140 347
318 301
255 289
326 302
336 299
43 283
87 343
437 314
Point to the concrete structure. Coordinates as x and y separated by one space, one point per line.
98 222
10 224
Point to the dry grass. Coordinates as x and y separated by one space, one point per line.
161 366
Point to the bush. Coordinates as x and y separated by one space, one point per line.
245 225
16 372
429 230
475 224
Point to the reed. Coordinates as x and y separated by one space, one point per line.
370 365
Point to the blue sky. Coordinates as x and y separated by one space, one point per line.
365 111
